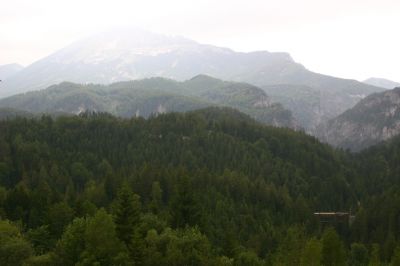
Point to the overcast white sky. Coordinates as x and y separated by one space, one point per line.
346 38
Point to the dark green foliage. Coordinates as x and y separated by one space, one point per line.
14 249
210 187
41 239
333 253
102 246
395 261
127 218
312 253
42 260
156 197
72 243
358 254
247 258
290 249
127 214
182 247
375 259
59 215
186 210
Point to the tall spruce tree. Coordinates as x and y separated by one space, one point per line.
127 219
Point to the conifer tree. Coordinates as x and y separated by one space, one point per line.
127 219
333 253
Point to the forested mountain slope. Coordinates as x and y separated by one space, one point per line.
153 96
374 119
209 187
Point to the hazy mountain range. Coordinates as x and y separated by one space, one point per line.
153 96
132 54
384 83
144 73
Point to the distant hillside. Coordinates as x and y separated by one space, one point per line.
374 119
9 70
384 83
153 96
131 55
306 103
317 98
9 113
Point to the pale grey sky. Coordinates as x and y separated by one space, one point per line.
346 38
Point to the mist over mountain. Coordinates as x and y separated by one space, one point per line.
381 82
126 55
133 54
8 70
153 96
372 120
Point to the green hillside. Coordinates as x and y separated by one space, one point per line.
153 96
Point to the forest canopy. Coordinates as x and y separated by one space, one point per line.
208 187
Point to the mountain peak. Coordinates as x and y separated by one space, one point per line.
203 77
131 54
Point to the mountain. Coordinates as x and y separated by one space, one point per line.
134 54
124 54
380 82
6 71
153 95
372 120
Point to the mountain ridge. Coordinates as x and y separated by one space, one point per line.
151 96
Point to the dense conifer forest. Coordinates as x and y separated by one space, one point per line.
208 187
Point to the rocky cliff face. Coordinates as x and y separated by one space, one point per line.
374 119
